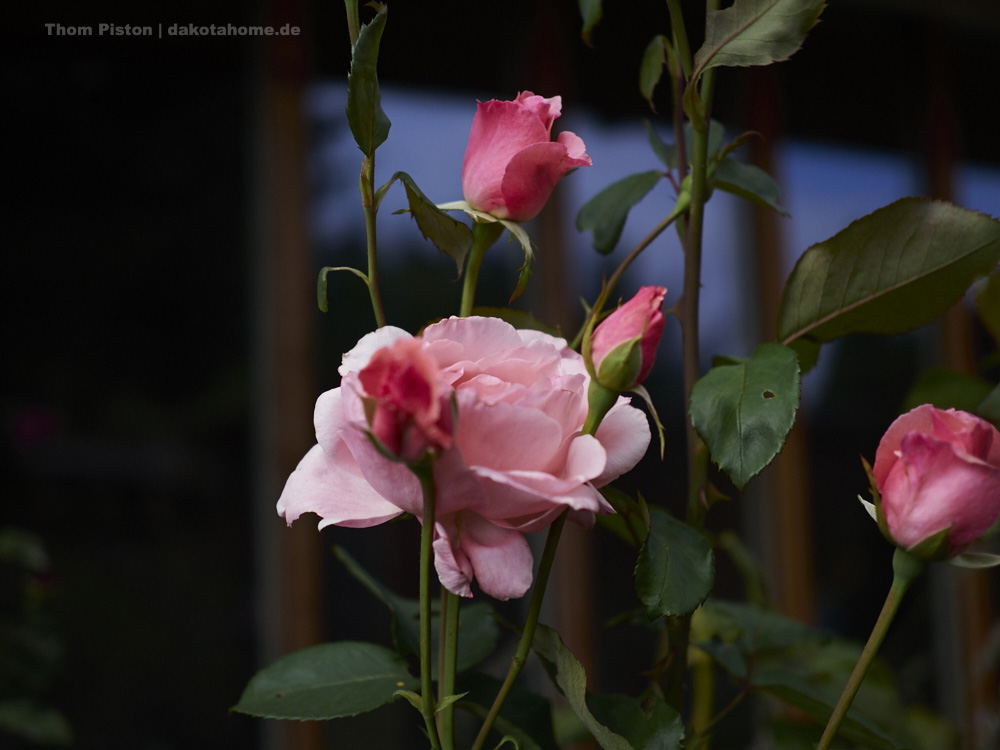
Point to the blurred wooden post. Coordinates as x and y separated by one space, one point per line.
782 490
284 308
963 600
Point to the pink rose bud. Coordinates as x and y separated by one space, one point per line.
511 163
623 346
404 386
938 470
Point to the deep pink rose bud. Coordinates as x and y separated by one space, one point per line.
405 392
511 163
623 346
938 469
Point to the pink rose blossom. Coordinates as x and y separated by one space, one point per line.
409 417
939 469
516 459
511 162
638 322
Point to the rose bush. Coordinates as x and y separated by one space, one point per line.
514 461
938 469
511 162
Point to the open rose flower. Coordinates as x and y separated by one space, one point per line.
514 461
623 347
511 163
938 469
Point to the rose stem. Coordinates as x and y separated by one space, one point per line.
905 569
425 473
484 234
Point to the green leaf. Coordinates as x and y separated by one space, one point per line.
477 634
647 723
36 724
755 32
328 681
571 680
524 715
450 236
368 122
990 406
321 295
748 182
888 272
605 213
658 52
665 152
743 412
988 306
676 567
592 13
947 389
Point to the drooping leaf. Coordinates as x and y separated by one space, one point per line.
328 681
748 182
755 32
592 12
888 272
744 411
658 53
321 283
676 566
568 674
450 236
368 121
524 715
647 723
606 212
477 636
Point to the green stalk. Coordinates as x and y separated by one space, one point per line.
425 473
905 569
447 657
371 210
528 633
534 609
484 234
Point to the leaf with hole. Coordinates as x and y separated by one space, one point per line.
744 411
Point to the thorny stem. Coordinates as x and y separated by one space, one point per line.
371 210
425 473
447 656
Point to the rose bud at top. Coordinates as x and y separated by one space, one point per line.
938 471
405 392
511 162
623 346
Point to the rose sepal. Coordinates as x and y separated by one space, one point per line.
620 367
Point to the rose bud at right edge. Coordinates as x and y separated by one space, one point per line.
938 471
623 346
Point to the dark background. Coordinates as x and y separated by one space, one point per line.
129 297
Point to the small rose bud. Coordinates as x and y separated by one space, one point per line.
938 474
623 346
511 163
404 390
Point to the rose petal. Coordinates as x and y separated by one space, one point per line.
333 487
625 435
